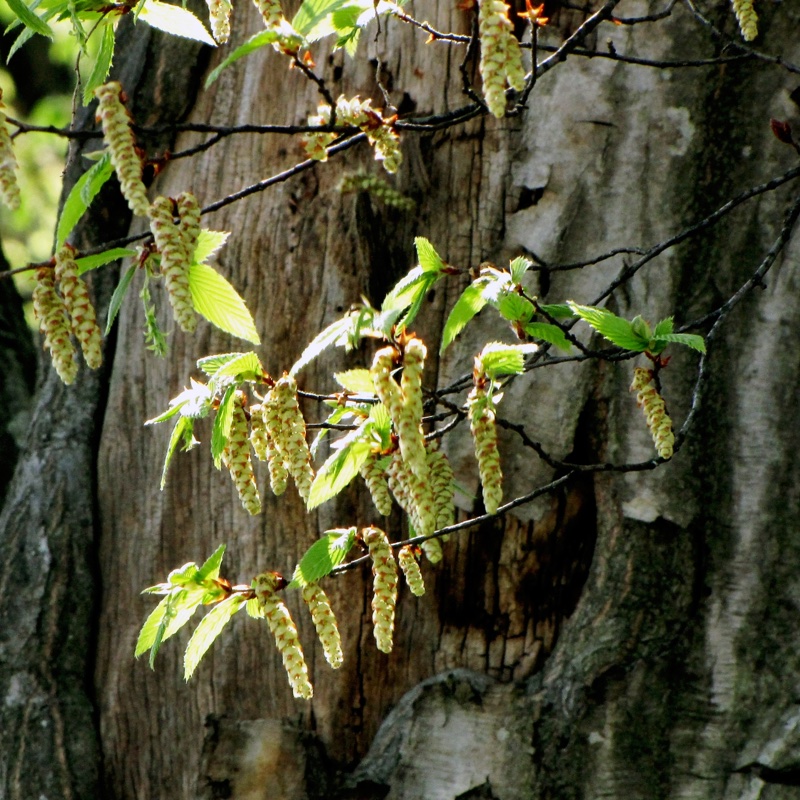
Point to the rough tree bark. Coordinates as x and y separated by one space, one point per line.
629 636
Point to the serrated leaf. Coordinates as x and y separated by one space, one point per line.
548 333
210 627
466 307
180 607
115 303
175 20
664 327
208 243
211 364
498 359
312 19
518 267
323 556
340 468
29 19
194 402
254 43
429 259
210 569
147 635
381 424
358 381
689 339
557 310
86 263
254 609
222 425
618 331
246 367
182 433
80 197
404 291
172 411
184 575
220 303
102 63
515 308
321 342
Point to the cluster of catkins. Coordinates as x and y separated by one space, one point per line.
9 188
63 308
747 18
380 132
501 56
655 411
419 476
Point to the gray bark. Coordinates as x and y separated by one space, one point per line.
626 636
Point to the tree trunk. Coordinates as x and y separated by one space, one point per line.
626 635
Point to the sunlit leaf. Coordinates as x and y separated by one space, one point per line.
118 296
663 328
175 20
208 243
429 259
518 267
321 342
321 558
548 333
689 339
80 197
210 568
210 627
222 425
466 307
102 63
183 436
29 19
498 359
515 308
246 367
85 263
254 43
358 381
313 18
340 468
557 310
618 331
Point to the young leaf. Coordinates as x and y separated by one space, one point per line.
310 20
180 607
466 307
518 267
175 20
358 381
405 290
210 627
254 43
664 327
208 242
340 468
210 569
325 554
222 425
246 367
182 433
80 197
548 333
220 303
147 635
102 63
429 259
322 341
498 359
85 263
515 308
557 310
212 364
618 331
689 339
115 303
29 19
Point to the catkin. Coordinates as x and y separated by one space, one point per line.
189 226
49 310
655 411
412 442
278 467
747 18
170 240
79 307
407 558
117 133
501 56
378 188
384 586
412 494
441 481
325 623
375 478
219 14
271 12
9 188
236 457
285 633
484 434
433 550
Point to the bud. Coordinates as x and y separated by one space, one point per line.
236 457
384 587
325 623
655 411
407 559
54 325
375 479
118 136
9 188
484 434
285 633
79 307
501 57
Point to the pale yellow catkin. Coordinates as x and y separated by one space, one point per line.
9 188
325 623
384 587
655 411
236 457
501 56
49 310
484 434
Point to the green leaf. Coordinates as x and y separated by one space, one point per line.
689 339
498 359
147 635
173 410
210 627
102 63
409 293
429 259
340 468
210 569
175 20
208 242
254 43
325 554
518 267
618 331
85 263
515 308
641 327
29 19
182 434
310 19
358 381
245 367
222 425
322 341
80 197
664 327
557 310
548 333
180 607
220 303
466 307
119 295
212 364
